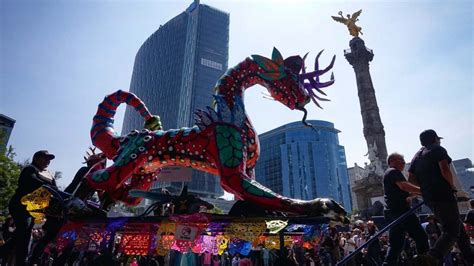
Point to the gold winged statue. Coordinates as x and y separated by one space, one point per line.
350 22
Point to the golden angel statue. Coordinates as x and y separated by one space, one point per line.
350 22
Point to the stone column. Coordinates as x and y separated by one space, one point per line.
359 57
371 185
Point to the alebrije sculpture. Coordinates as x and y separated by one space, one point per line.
223 141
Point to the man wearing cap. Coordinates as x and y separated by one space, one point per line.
32 177
430 170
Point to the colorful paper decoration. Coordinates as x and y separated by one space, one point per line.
138 238
216 227
209 244
135 244
36 202
276 225
92 236
245 231
165 237
222 242
259 241
68 234
198 245
239 246
273 242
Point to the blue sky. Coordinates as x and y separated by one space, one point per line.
58 59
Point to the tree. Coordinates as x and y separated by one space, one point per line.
215 210
9 173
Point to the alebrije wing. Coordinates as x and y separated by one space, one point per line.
276 56
272 76
265 63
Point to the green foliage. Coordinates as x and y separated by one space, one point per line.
215 210
9 173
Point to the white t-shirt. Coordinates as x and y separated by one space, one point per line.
350 246
235 261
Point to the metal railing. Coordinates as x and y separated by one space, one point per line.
376 236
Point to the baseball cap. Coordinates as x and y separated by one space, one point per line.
428 137
43 153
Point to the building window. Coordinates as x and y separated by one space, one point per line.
211 64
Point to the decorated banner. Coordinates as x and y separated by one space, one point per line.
222 242
135 244
245 231
276 226
239 246
165 237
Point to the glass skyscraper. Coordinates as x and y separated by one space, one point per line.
304 163
175 73
6 127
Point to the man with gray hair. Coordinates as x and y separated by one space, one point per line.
397 199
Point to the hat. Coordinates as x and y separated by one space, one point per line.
428 137
42 153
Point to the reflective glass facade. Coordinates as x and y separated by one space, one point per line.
6 127
304 163
175 72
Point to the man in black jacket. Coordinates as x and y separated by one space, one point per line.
32 177
430 170
53 224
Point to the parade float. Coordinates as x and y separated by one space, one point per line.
222 142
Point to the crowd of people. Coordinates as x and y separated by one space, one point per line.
442 239
330 247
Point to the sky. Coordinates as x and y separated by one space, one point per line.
58 59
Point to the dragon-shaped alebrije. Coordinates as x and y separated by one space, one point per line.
223 141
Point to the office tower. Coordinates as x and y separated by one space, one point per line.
304 163
175 72
6 127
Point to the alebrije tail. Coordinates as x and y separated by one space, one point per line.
103 134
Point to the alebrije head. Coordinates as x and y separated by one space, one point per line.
288 82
